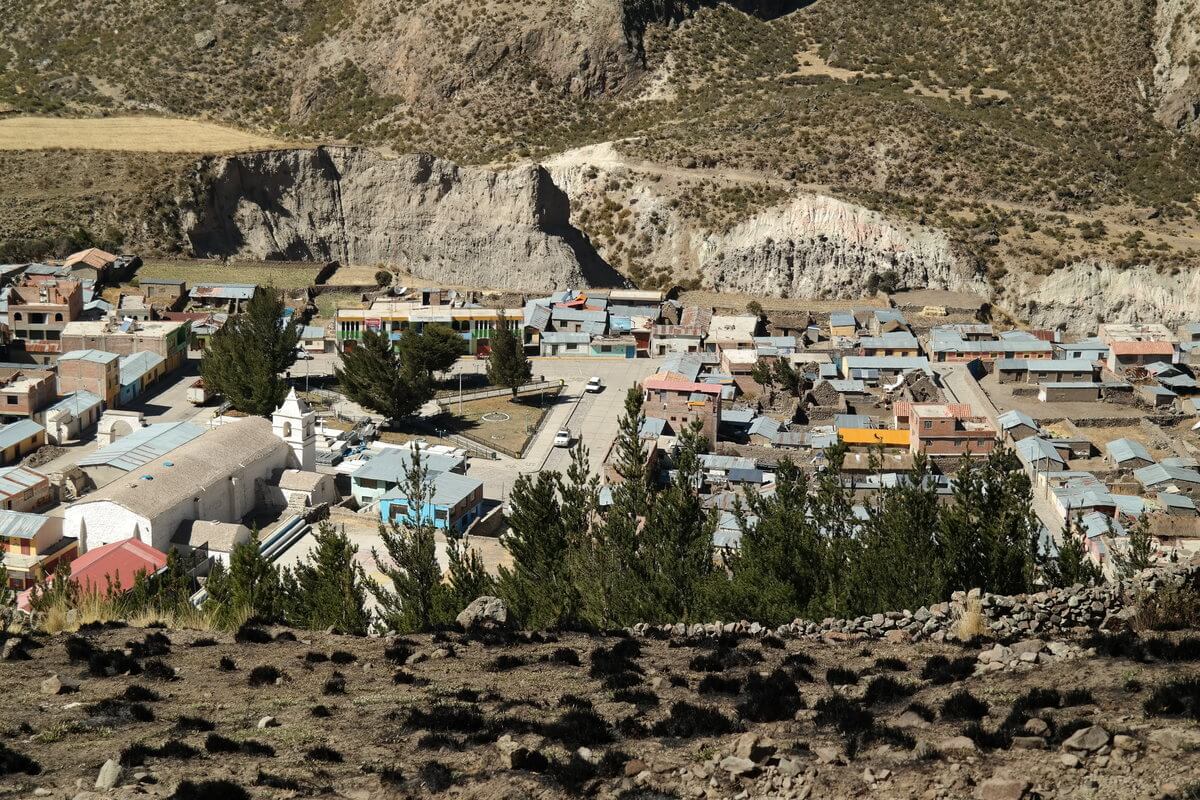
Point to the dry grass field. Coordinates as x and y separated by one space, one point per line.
140 134
281 275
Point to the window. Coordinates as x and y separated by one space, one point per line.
53 335
927 424
11 399
37 318
17 315
58 317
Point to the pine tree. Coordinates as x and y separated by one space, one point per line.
466 580
897 563
508 366
1138 553
675 551
988 535
245 358
326 590
249 589
538 586
1072 565
435 349
373 375
411 565
8 598
605 564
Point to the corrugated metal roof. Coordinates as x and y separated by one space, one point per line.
1161 473
75 402
14 480
393 464
1125 449
1015 419
134 367
142 446
17 432
449 489
95 356
20 524
224 291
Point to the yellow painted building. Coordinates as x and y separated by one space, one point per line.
33 546
475 325
874 437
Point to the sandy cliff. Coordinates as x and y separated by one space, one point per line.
423 214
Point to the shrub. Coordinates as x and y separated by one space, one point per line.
846 716
574 701
770 699
504 662
964 705
263 675
686 721
159 670
1180 698
136 693
1172 608
642 698
334 684
988 740
1078 697
251 634
325 754
14 763
839 676
940 670
715 684
226 664
579 728
342 657
209 790
198 724
921 710
313 657
891 664
320 711
399 651
622 680
446 717
883 689
564 655
435 777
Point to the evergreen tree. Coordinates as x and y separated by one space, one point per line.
988 534
777 567
605 564
1072 565
538 586
675 550
895 565
1138 553
372 375
326 590
435 349
508 366
55 589
250 589
410 605
466 580
245 358
8 598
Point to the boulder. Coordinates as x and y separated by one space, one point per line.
56 684
484 613
1088 740
1002 788
738 766
956 744
110 775
754 747
1176 739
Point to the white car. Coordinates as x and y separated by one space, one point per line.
562 438
594 385
303 355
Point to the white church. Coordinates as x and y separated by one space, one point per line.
221 476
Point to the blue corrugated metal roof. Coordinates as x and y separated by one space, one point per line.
393 464
142 446
1014 419
134 367
95 356
76 403
17 432
16 479
20 524
1125 449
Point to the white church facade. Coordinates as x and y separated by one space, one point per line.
221 476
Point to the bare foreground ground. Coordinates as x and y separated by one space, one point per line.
350 719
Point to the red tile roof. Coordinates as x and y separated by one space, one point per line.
674 385
1142 348
120 561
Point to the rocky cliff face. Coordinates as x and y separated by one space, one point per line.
817 246
1082 295
420 213
1176 79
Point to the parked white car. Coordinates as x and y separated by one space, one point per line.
562 438
594 384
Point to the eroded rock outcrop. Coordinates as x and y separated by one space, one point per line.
423 214
817 246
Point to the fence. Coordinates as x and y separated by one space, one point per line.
446 403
